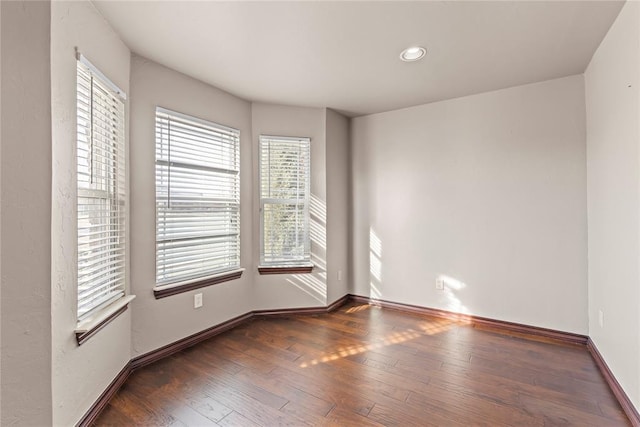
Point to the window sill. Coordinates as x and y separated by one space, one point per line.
89 327
289 269
179 288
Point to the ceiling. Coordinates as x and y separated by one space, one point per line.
345 55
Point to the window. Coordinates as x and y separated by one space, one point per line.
284 202
101 190
197 199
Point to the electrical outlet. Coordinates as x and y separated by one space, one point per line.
601 318
439 284
339 275
197 301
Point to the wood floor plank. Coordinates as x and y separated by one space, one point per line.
505 392
242 359
325 389
208 407
466 408
234 419
251 408
141 410
390 416
296 410
114 417
367 366
557 414
246 387
312 404
190 417
347 418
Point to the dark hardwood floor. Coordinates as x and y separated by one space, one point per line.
367 366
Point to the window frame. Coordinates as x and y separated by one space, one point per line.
116 193
165 288
294 266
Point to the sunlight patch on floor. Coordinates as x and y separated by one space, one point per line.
434 327
395 338
429 328
358 308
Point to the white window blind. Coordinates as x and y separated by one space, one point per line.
197 198
285 177
101 190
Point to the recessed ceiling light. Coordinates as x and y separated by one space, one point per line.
413 53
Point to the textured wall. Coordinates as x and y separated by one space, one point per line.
25 203
80 373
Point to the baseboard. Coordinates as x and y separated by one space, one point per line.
198 337
338 303
501 325
614 385
191 340
104 398
289 311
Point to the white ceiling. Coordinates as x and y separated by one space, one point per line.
344 55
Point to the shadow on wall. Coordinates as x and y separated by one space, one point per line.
315 284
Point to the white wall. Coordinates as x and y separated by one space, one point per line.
80 373
293 290
162 321
25 203
613 177
338 204
488 190
0 212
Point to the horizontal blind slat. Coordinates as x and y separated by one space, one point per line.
101 196
197 198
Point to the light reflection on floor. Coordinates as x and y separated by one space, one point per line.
358 308
429 327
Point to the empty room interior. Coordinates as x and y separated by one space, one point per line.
320 213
